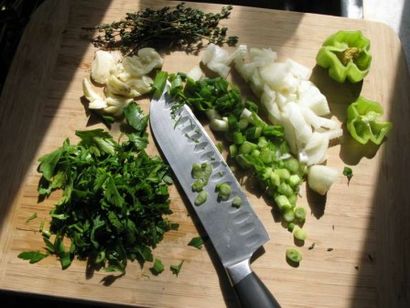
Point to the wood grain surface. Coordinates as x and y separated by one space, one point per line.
367 224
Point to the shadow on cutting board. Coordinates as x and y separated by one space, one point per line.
25 119
384 267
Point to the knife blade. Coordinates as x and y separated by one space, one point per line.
235 233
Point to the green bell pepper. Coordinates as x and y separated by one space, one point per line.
363 124
347 56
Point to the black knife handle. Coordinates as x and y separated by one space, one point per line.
253 293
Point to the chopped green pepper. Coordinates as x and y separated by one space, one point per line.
299 233
363 124
201 198
293 255
236 202
347 55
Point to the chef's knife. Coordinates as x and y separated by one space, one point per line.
236 233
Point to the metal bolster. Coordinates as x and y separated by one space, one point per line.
238 271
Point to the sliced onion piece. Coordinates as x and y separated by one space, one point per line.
298 70
302 131
316 121
315 150
217 60
320 178
310 96
195 73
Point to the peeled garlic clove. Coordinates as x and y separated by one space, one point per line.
118 87
89 92
101 66
118 101
142 85
97 104
144 62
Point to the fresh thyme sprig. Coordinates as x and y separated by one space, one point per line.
172 28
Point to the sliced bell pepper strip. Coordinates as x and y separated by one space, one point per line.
346 54
363 124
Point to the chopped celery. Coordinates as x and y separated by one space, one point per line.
300 214
282 203
232 123
283 174
285 189
243 123
253 133
196 171
299 233
198 185
294 180
292 165
257 121
238 138
224 191
247 147
288 215
256 153
267 156
274 131
233 150
274 179
293 255
292 199
201 198
236 201
262 142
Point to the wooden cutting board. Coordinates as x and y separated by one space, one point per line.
361 231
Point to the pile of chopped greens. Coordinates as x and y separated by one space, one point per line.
254 145
114 198
174 28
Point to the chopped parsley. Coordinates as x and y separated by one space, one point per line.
32 256
348 172
196 242
157 268
175 269
114 198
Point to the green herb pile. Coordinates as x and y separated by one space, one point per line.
174 28
254 145
114 198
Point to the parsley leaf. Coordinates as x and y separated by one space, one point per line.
175 269
196 242
157 268
348 172
32 256
135 117
48 163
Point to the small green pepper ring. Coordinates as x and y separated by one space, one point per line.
363 124
347 56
